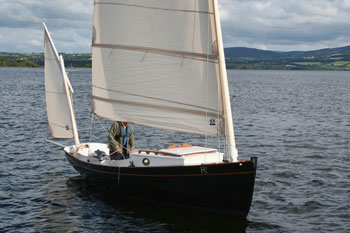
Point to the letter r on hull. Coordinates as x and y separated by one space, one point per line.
204 170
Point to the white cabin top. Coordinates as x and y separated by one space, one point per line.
188 150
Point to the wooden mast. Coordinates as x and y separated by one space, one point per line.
224 88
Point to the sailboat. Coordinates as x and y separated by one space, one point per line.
157 63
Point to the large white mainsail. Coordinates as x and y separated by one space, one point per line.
157 63
58 94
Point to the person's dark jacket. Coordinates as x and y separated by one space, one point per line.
116 140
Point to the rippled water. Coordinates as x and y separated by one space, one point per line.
296 122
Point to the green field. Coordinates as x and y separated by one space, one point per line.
308 63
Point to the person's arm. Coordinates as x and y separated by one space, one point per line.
114 131
131 140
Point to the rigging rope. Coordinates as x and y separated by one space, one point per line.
118 176
123 147
91 123
102 125
206 94
90 139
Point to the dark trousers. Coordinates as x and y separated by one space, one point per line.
117 155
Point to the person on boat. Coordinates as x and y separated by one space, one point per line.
121 140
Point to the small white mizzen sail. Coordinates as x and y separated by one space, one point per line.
157 63
58 101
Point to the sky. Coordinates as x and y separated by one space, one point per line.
278 25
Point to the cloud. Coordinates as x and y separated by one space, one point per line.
286 25
69 22
265 24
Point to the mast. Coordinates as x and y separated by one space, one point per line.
224 88
69 90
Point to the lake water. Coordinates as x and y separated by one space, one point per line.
296 122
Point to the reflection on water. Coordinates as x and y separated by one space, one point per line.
88 208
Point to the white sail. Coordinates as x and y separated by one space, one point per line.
161 63
156 63
56 87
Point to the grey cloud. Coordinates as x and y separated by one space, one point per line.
267 24
286 25
68 21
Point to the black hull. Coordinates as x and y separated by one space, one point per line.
225 188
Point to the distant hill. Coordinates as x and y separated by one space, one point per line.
323 59
242 52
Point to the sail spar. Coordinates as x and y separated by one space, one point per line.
58 94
